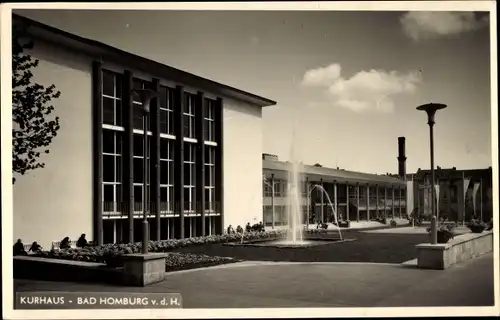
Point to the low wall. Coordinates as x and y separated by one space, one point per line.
462 248
36 268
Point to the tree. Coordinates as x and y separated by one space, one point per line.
32 132
318 165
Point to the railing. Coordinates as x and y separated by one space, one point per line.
120 209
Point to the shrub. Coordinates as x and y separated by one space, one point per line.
177 260
476 226
322 225
316 231
393 223
109 253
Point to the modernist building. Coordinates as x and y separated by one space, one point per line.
461 193
355 196
93 179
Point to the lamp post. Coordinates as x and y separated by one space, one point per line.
145 95
431 109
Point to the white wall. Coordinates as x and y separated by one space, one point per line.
56 201
242 163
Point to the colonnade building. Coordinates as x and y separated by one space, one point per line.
355 196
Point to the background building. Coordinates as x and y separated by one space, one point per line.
462 193
355 195
93 179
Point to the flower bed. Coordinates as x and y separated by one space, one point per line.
108 252
176 261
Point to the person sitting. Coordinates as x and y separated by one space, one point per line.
18 249
82 242
230 229
248 227
65 243
239 229
35 247
261 226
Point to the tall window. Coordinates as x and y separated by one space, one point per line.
209 179
137 103
189 115
111 98
189 176
112 141
209 118
112 170
166 110
166 175
139 170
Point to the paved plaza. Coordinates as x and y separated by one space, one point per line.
286 285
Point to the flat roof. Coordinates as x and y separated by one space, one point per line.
104 52
316 173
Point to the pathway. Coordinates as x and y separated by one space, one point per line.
285 285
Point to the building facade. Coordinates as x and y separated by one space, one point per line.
94 175
355 196
461 194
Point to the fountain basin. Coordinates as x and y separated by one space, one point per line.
283 243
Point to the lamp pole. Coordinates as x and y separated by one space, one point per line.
146 95
431 109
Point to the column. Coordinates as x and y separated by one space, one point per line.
385 202
178 111
400 204
367 202
200 159
308 201
357 202
155 159
448 205
347 201
219 162
335 200
114 231
128 151
98 233
393 200
273 218
322 195
376 199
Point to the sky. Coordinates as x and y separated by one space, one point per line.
347 83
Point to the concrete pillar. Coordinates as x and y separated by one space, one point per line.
114 230
448 205
357 202
376 199
385 202
322 202
393 200
400 204
347 201
273 219
367 202
335 199
308 202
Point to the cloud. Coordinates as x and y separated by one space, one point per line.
420 25
364 91
321 76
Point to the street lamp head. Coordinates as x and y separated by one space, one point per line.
431 109
146 95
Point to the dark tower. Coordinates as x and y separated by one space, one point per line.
401 158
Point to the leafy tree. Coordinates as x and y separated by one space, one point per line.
32 132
